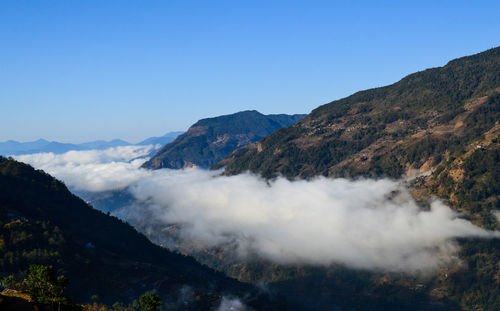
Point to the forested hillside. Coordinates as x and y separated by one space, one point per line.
41 222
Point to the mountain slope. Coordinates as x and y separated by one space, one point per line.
43 223
437 122
383 131
210 140
440 126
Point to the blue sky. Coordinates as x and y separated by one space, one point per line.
76 71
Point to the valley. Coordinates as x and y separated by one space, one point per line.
249 156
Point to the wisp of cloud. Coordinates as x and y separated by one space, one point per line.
368 224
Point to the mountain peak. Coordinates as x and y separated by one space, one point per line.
210 139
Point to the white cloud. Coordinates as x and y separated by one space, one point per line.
370 224
94 170
228 304
497 215
373 224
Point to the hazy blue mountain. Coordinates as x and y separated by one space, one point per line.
162 140
15 147
12 147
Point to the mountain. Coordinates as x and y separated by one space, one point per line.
414 124
440 123
209 140
163 140
440 127
43 223
12 147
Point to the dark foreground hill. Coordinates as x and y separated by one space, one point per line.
210 140
41 222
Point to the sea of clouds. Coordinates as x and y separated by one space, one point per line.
367 223
94 170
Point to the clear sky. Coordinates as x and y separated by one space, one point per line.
76 71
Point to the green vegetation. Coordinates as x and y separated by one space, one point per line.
149 302
44 286
44 289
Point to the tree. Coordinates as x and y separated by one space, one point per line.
118 306
58 291
149 302
9 282
44 286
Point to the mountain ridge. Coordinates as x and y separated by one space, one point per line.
374 118
210 139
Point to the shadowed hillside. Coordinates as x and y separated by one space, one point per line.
43 223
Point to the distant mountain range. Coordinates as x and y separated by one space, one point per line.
210 140
165 139
12 147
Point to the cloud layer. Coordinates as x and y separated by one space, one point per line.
369 224
94 170
373 224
